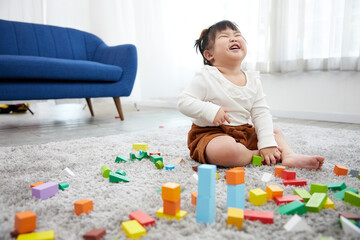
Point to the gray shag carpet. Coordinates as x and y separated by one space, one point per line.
23 165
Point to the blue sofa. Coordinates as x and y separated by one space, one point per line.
48 62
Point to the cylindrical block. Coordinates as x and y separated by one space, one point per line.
105 171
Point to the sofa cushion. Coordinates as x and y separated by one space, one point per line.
33 67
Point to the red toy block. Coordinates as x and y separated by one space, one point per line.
288 175
295 182
287 199
144 219
154 153
340 170
349 215
193 198
264 161
262 216
95 234
278 170
25 222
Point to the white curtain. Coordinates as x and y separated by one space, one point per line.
282 35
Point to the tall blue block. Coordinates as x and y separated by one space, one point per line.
236 196
207 180
205 209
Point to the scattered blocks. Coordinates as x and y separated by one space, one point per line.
122 159
169 167
336 186
288 175
235 216
297 224
316 202
115 178
262 216
257 197
193 198
256 160
352 198
36 184
144 219
105 171
140 146
159 165
329 204
286 199
133 229
154 158
340 170
305 195
340 195
25 222
295 182
273 191
295 207
45 190
320 188
46 235
83 206
95 234
278 170
63 185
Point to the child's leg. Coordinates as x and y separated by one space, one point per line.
291 159
225 151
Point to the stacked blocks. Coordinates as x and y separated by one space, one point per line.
144 219
95 234
25 222
205 206
83 206
235 217
235 179
295 207
46 235
340 170
133 229
316 202
45 190
278 170
273 191
257 197
170 193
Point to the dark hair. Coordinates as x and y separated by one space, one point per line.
207 36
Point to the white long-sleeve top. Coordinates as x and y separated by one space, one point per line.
210 90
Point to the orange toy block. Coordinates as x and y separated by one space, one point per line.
273 191
193 198
171 208
340 170
25 222
170 191
235 176
36 184
278 171
83 206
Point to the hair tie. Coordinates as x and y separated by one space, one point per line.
202 32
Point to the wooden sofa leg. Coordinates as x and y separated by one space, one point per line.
88 101
118 107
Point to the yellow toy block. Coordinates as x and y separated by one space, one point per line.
47 235
273 191
257 197
235 217
140 146
217 175
170 191
329 204
180 215
133 229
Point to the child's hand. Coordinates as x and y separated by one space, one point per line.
270 154
221 117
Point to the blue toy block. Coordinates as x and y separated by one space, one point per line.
236 196
169 167
207 180
205 209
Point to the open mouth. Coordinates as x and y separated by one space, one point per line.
235 46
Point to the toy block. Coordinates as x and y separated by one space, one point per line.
264 161
340 170
336 186
236 196
235 216
144 219
122 159
105 171
340 195
353 173
36 184
154 158
235 177
329 204
45 190
266 177
140 157
140 146
83 206
352 198
297 207
256 160
262 216
69 172
278 171
14 234
180 215
316 202
171 207
349 215
297 224
350 228
257 197
205 209
288 175
273 191
305 195
159 165
133 229
154 153
63 185
115 178
95 234
195 168
179 161
320 188
170 191
25 222
46 235
359 176
295 182
193 198
121 172
217 175
169 167
286 199
207 180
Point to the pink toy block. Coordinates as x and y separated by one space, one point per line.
45 190
262 216
295 182
287 199
288 175
144 219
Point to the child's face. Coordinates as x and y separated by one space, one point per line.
229 47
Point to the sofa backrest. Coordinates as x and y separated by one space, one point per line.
18 38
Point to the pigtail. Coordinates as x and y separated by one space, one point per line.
201 44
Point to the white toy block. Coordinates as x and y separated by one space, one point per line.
349 228
67 172
266 177
297 224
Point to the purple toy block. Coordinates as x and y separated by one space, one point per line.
45 190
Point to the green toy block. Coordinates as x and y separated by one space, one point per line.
105 171
154 158
159 164
340 195
121 172
316 202
352 198
115 178
122 159
320 188
359 176
140 157
63 185
336 186
297 207
256 160
305 195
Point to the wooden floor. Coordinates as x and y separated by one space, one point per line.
58 122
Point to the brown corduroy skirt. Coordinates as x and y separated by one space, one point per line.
199 137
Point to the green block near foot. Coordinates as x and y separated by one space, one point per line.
63 185
340 195
297 207
352 198
256 160
115 178
122 159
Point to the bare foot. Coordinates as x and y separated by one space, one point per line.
303 161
